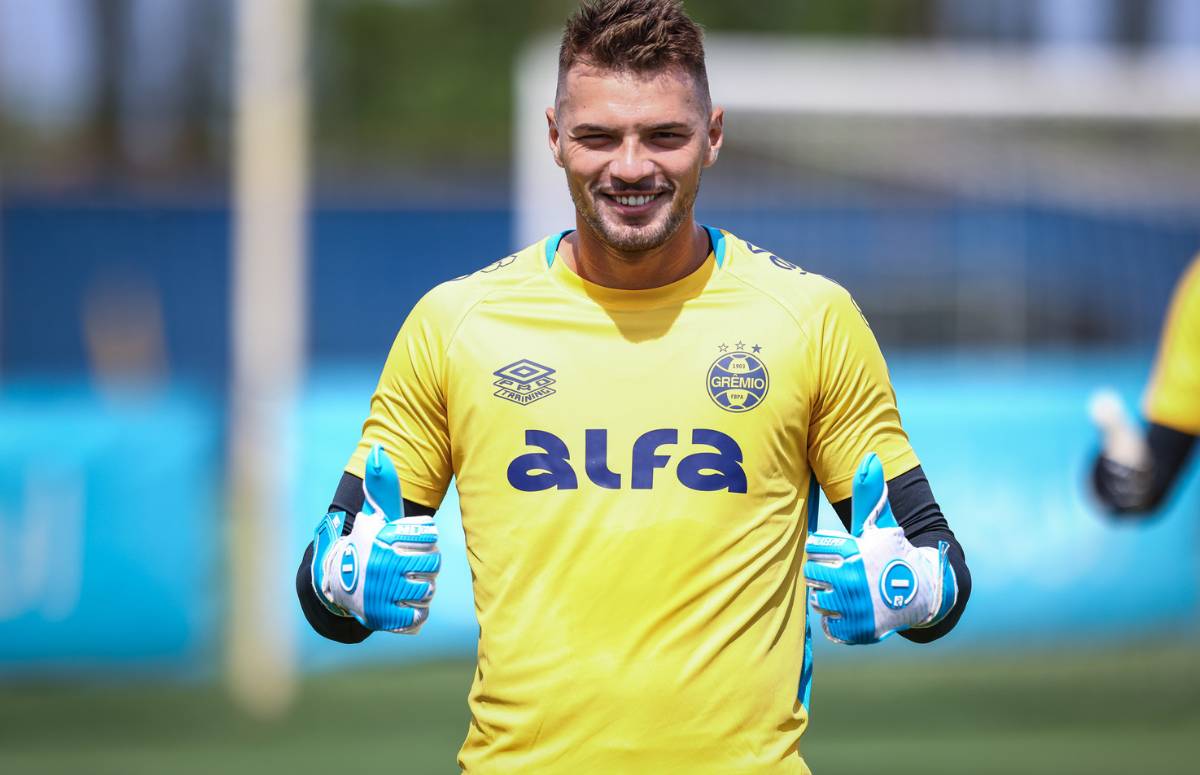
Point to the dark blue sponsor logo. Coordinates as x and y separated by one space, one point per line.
774 259
738 381
708 470
523 382
490 267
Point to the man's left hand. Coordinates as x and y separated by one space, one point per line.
872 582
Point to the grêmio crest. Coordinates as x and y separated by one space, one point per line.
524 382
737 381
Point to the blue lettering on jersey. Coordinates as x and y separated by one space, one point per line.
704 471
552 463
774 259
595 450
646 459
725 464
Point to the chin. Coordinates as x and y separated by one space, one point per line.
635 239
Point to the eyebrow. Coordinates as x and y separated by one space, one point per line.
653 128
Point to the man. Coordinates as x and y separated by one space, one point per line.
1134 470
637 412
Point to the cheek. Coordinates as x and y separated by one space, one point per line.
682 164
584 165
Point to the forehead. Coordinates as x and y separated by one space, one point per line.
590 94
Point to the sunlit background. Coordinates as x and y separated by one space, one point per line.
215 215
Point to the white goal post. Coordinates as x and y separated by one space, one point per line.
780 75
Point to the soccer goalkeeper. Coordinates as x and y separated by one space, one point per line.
638 412
1135 470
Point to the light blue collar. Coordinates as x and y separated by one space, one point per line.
715 236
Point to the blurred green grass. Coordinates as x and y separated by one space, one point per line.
1130 710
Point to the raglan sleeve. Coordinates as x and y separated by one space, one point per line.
854 406
408 409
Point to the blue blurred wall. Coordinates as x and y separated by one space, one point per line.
1076 276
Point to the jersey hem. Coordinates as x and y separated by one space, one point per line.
412 491
1173 419
843 487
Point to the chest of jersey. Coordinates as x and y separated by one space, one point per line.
707 396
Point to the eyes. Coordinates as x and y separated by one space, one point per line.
665 138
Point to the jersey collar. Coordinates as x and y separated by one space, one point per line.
671 294
716 238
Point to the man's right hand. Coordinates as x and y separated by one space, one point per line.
1123 475
382 572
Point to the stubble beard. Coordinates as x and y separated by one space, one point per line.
633 239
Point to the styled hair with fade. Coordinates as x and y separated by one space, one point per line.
637 36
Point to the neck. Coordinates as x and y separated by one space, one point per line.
595 261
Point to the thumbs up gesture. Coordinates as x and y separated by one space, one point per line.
872 582
1123 474
381 572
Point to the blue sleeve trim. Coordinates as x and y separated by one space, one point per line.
814 503
718 243
806 670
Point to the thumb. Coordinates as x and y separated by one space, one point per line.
869 504
381 486
1123 442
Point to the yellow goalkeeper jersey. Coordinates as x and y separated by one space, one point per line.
1173 398
635 474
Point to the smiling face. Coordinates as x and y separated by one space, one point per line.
633 146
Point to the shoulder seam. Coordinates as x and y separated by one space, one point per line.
467 312
787 311
804 330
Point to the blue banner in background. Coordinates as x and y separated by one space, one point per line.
1007 444
112 528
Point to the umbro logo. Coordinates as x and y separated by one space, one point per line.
524 382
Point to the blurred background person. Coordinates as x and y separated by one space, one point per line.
1135 470
208 220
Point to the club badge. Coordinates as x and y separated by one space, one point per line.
738 381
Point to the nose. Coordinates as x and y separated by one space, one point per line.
630 165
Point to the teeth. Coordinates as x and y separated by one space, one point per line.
634 201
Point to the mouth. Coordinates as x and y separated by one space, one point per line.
636 203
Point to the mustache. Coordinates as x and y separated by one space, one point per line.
637 188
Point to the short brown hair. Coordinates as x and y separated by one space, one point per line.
638 36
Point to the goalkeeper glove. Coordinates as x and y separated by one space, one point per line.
873 582
382 572
1123 475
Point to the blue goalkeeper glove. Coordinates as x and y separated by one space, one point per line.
382 572
872 582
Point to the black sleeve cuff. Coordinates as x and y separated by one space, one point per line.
962 575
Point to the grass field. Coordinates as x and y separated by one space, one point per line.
1133 710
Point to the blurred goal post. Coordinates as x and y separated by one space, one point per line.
270 176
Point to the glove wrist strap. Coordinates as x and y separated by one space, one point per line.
328 531
948 583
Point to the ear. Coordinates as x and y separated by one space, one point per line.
716 135
553 136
